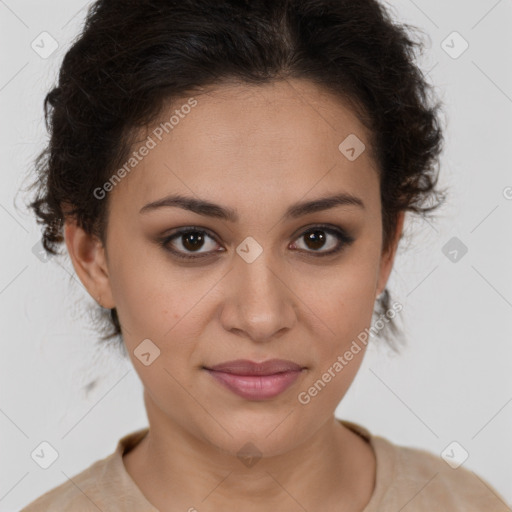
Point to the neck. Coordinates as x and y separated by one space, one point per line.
334 468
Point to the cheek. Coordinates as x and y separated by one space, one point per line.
151 298
165 304
343 308
343 299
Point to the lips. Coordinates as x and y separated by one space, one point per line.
256 381
246 367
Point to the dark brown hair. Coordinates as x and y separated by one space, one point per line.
133 56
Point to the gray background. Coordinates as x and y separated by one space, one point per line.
452 382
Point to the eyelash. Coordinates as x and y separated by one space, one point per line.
343 237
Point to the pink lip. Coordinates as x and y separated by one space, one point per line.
256 381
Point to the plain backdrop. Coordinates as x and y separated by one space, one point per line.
453 380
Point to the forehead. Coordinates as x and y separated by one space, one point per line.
242 141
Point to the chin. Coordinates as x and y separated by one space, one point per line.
271 434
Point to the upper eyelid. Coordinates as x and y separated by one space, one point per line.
187 229
334 230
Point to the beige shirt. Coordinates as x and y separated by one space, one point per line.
407 479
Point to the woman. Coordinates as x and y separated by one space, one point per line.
231 180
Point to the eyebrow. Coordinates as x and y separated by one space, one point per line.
209 209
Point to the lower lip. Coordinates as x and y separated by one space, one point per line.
256 387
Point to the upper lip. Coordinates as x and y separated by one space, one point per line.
246 367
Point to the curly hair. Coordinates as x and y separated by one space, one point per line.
134 56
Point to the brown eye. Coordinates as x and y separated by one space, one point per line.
187 242
192 241
315 239
331 240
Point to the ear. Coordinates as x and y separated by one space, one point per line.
89 260
388 257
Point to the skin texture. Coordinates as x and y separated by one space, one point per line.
257 150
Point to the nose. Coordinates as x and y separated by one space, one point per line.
259 304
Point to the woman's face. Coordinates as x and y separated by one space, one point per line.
264 282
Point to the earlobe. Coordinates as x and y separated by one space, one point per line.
88 257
